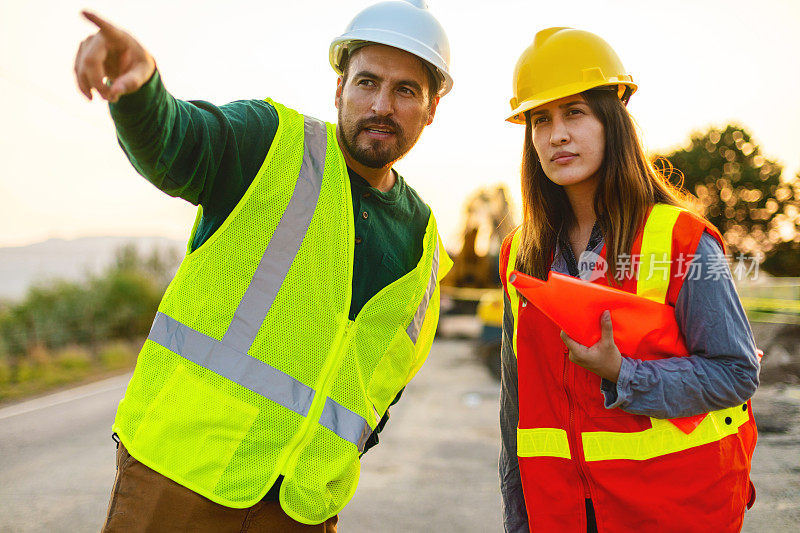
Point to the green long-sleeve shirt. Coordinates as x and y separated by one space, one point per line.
209 155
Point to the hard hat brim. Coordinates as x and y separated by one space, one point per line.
518 114
395 40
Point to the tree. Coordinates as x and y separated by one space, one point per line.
741 192
128 300
160 265
784 258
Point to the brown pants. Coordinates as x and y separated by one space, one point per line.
144 500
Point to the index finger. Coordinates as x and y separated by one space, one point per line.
104 26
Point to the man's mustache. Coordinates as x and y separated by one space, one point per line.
384 124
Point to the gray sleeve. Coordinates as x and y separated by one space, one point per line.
723 367
515 517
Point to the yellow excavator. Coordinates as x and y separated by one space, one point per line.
473 284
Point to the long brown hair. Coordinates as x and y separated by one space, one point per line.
629 186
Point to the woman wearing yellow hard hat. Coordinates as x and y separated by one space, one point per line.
660 436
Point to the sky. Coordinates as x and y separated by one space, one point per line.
698 64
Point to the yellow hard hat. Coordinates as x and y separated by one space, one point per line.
562 62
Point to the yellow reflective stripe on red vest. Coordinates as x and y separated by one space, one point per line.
656 253
663 438
513 295
542 442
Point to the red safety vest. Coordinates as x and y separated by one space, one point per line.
642 474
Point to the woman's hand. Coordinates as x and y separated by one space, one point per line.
111 62
603 358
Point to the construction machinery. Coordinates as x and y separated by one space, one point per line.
473 287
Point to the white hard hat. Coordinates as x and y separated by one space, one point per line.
407 25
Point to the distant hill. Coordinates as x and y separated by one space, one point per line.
23 266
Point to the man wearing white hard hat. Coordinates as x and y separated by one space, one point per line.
309 294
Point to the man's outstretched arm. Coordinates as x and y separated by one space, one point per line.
180 147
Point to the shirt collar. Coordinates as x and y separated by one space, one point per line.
390 196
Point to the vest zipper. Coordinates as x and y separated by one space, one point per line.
573 431
312 418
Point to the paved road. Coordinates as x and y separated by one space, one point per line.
57 459
435 469
776 461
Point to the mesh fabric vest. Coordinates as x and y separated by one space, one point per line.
252 368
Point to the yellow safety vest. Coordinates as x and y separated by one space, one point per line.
252 368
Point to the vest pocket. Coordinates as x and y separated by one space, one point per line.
191 431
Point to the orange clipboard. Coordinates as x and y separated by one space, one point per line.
643 328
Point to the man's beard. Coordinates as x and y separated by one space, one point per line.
374 153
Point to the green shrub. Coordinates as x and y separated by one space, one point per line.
73 357
6 372
117 354
27 370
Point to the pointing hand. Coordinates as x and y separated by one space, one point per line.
111 62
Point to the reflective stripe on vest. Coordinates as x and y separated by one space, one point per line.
656 254
542 442
284 243
513 295
415 326
238 367
229 357
663 438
